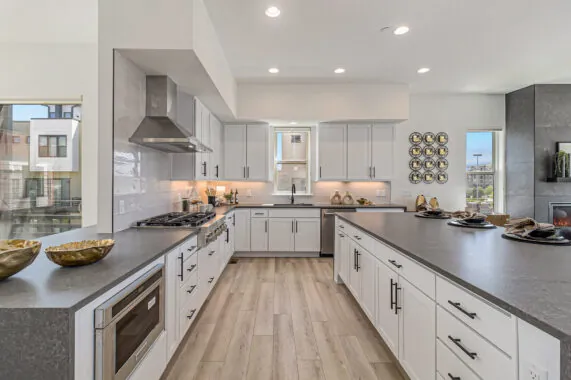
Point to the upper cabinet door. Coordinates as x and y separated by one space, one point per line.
382 141
235 152
206 126
359 166
257 152
332 152
215 161
198 108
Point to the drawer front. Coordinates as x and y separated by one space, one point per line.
295 213
189 248
189 268
341 224
416 274
188 290
476 352
363 239
187 315
495 325
259 213
449 366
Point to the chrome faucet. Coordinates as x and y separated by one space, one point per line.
292 199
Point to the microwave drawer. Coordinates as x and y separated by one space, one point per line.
496 325
476 352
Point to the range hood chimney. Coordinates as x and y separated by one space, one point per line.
159 129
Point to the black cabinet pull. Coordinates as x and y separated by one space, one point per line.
392 294
395 263
211 253
459 307
204 169
189 291
192 248
397 307
216 171
296 226
227 235
191 268
341 236
354 258
233 219
191 314
181 275
210 280
320 172
358 261
292 227
341 226
458 343
454 377
357 237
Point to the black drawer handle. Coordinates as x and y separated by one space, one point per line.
191 268
191 314
454 377
191 248
211 253
189 291
393 303
357 237
459 344
395 263
341 226
458 306
211 279
341 235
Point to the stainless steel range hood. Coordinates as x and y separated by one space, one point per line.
159 129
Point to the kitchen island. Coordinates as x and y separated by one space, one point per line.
530 282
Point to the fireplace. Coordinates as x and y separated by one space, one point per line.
560 214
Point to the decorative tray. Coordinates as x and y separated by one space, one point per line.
428 216
481 226
16 254
79 253
561 241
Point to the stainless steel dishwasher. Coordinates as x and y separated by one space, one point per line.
328 229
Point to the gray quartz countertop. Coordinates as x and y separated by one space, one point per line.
47 285
531 281
313 205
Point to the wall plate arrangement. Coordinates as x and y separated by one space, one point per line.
428 152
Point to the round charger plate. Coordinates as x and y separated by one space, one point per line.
421 215
536 241
482 226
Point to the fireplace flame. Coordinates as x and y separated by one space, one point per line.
561 222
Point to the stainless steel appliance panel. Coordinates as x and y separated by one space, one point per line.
328 229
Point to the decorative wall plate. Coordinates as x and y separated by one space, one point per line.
442 151
428 176
415 164
441 177
429 164
429 151
415 151
415 138
415 177
428 138
442 164
442 138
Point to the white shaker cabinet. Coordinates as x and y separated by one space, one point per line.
215 159
332 146
257 152
387 318
282 238
242 230
235 152
382 139
259 234
417 331
246 152
359 166
202 132
307 235
368 282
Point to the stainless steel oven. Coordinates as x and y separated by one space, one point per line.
127 325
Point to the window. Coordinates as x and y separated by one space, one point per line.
16 139
52 146
291 160
28 140
482 181
67 115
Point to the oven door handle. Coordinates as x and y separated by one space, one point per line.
141 351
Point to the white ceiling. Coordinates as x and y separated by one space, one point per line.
491 46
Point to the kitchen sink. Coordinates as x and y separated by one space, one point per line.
293 205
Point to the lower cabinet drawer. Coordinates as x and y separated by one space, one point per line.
449 366
188 290
480 355
187 315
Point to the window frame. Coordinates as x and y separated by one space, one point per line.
48 146
307 161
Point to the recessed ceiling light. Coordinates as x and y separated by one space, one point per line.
339 70
273 12
423 70
274 70
401 30
293 122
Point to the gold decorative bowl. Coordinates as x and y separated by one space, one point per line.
17 254
79 253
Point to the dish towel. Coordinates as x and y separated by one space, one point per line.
525 226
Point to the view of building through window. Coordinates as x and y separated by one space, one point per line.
480 168
40 178
291 160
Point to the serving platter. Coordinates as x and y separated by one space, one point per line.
481 226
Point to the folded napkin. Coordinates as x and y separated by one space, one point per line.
525 227
462 215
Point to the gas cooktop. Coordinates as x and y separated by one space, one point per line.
178 219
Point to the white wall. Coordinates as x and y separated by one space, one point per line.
455 115
49 52
319 102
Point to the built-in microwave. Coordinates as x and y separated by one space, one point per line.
127 325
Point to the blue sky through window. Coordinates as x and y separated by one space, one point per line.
25 112
479 143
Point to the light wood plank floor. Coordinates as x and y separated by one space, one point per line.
282 319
